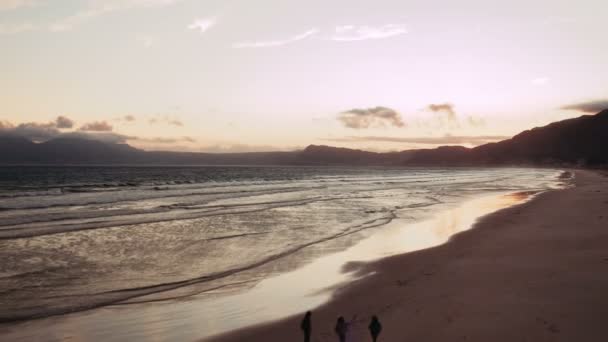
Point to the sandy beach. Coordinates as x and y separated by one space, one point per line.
533 272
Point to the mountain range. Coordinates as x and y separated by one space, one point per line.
577 141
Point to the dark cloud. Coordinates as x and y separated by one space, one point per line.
36 131
592 107
100 131
97 126
448 116
63 122
442 107
32 130
443 140
370 117
107 137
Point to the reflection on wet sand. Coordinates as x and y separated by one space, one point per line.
270 299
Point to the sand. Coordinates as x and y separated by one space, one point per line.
533 272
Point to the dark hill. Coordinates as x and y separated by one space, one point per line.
581 141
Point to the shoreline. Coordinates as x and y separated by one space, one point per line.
195 319
519 274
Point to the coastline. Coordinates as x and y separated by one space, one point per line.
531 272
279 296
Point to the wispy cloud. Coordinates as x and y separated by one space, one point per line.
202 24
592 107
98 8
270 43
165 120
16 28
6 5
70 22
145 40
473 140
540 81
359 118
163 140
241 148
346 33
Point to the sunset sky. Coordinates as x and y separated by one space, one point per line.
215 75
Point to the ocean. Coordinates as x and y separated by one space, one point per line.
110 238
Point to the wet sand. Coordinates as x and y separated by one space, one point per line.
533 272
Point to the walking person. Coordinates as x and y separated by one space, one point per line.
341 329
306 326
375 328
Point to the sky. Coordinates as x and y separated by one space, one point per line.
261 75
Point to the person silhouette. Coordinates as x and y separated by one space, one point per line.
375 328
341 328
306 326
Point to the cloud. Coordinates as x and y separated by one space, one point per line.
271 43
70 22
242 148
100 131
97 126
476 122
107 137
442 140
164 140
592 107
31 130
4 125
442 107
6 5
98 8
540 81
36 131
166 120
347 33
145 40
63 122
6 29
370 117
202 25
449 117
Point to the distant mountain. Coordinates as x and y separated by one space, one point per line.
581 141
578 141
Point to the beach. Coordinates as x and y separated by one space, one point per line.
221 249
532 272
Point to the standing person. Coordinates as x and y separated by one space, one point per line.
375 328
306 326
341 329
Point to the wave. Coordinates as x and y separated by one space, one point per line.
44 228
91 301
